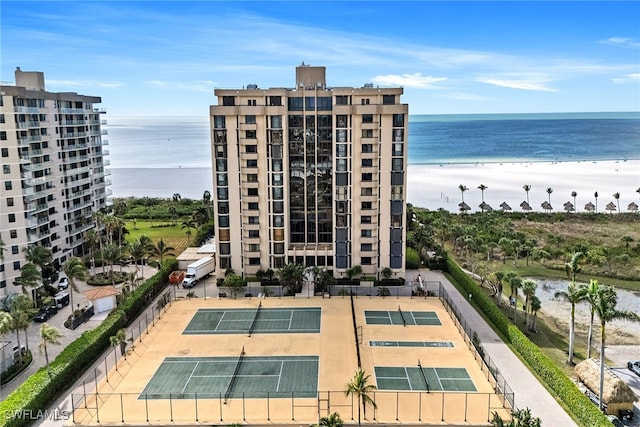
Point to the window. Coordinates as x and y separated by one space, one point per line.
254 261
341 165
310 103
397 164
367 118
341 150
278 248
342 100
365 219
251 102
278 207
365 101
278 193
365 260
397 149
223 221
275 100
252 177
225 248
223 207
398 135
253 206
5 152
222 179
250 119
254 247
367 133
366 247
367 163
252 163
276 165
8 185
6 169
365 233
341 135
221 165
342 179
252 191
13 234
367 148
388 99
16 265
228 101
250 134
324 103
276 122
398 120
295 104
254 233
14 249
251 149
278 220
367 177
366 191
3 135
218 122
223 193
254 220
277 179
365 206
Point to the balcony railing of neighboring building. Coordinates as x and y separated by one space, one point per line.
28 124
23 109
72 110
76 122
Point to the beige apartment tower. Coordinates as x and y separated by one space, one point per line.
313 175
53 175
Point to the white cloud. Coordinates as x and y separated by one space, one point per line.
82 83
534 84
416 80
463 96
622 42
158 83
629 78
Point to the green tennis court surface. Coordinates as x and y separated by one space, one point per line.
397 317
410 344
411 379
254 320
233 377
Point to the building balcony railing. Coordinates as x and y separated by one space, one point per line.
28 110
73 134
35 236
27 139
28 125
75 206
34 208
76 146
73 110
78 122
104 132
32 182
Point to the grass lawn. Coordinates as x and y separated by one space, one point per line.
173 236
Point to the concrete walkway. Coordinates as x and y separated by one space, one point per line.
529 393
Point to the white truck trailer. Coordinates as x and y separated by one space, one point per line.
197 270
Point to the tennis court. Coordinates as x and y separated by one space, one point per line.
255 321
399 317
422 378
234 377
431 344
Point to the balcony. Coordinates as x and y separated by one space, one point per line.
27 139
35 208
77 206
80 122
32 182
72 110
28 125
76 146
27 110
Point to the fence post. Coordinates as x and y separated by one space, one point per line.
196 397
121 408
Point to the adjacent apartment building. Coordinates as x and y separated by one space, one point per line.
312 174
53 175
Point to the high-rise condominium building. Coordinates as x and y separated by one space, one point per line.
313 175
53 172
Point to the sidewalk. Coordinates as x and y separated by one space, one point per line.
529 393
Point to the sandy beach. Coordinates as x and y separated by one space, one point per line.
436 186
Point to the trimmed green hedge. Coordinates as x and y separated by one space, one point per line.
580 406
39 391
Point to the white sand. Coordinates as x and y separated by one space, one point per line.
436 186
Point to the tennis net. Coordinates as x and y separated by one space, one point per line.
255 317
234 376
423 375
404 322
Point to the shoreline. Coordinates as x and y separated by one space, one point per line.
435 185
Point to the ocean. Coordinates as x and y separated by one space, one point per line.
160 156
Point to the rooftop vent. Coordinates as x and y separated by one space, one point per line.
368 85
252 86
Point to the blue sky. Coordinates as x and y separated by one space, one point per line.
166 57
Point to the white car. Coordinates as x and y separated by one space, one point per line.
634 366
63 283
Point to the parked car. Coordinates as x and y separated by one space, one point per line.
63 283
45 313
634 366
615 421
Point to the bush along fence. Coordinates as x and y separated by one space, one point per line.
579 405
40 390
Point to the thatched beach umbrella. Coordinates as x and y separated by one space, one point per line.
464 207
546 206
616 394
525 206
611 206
632 207
485 207
589 207
505 207
568 207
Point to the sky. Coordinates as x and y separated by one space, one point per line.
166 58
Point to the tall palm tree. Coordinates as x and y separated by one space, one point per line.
605 307
574 294
516 283
529 290
527 188
6 326
120 340
92 239
48 335
161 250
74 269
535 305
462 188
40 256
574 194
360 388
572 267
188 224
29 277
22 312
596 197
617 197
482 187
591 296
549 191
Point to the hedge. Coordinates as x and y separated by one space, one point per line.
39 391
577 403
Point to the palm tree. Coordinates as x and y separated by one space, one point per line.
527 188
549 191
535 305
332 420
574 294
360 388
574 194
188 224
29 277
161 250
137 251
48 335
521 418
74 269
572 268
22 312
462 188
482 187
591 296
516 283
120 340
6 326
617 197
596 196
605 308
529 290
92 239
